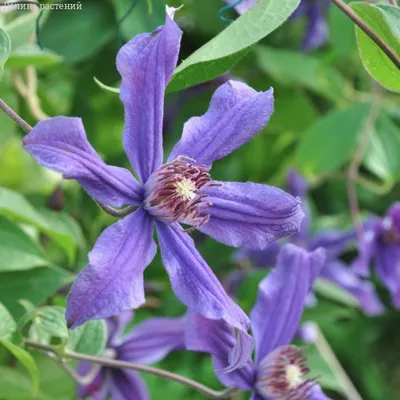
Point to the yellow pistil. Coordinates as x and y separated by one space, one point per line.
186 188
293 376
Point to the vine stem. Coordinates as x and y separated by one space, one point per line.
14 116
111 363
368 30
353 170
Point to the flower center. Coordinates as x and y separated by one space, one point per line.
281 375
173 192
390 234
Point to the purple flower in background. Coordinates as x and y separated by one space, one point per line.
334 242
180 191
147 343
313 10
317 26
381 244
279 368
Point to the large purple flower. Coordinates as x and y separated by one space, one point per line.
279 368
381 244
313 10
180 191
335 244
147 343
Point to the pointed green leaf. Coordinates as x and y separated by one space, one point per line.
31 54
5 48
26 359
7 323
223 51
375 61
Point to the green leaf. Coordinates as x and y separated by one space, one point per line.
382 155
334 292
30 54
22 28
139 20
80 34
7 323
90 338
26 359
49 322
17 250
392 16
309 72
5 48
58 226
35 285
330 142
223 51
375 61
105 87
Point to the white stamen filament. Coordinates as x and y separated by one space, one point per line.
293 376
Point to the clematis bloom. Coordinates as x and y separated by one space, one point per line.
181 191
381 244
279 369
149 342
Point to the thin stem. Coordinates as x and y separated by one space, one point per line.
327 353
368 30
353 171
394 2
13 115
110 363
114 212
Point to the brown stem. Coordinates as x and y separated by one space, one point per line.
368 30
13 115
394 2
111 363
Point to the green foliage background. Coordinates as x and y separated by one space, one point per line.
322 103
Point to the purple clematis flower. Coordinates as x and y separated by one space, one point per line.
149 342
180 191
381 244
335 244
279 368
315 12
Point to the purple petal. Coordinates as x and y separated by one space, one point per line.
236 114
113 280
60 144
281 297
308 332
250 215
318 394
296 184
334 242
217 338
198 288
260 258
127 385
146 64
317 31
152 340
116 326
244 6
363 291
98 388
387 266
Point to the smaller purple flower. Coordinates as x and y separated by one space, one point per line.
279 369
335 244
149 342
381 244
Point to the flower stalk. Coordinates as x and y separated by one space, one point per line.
107 362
